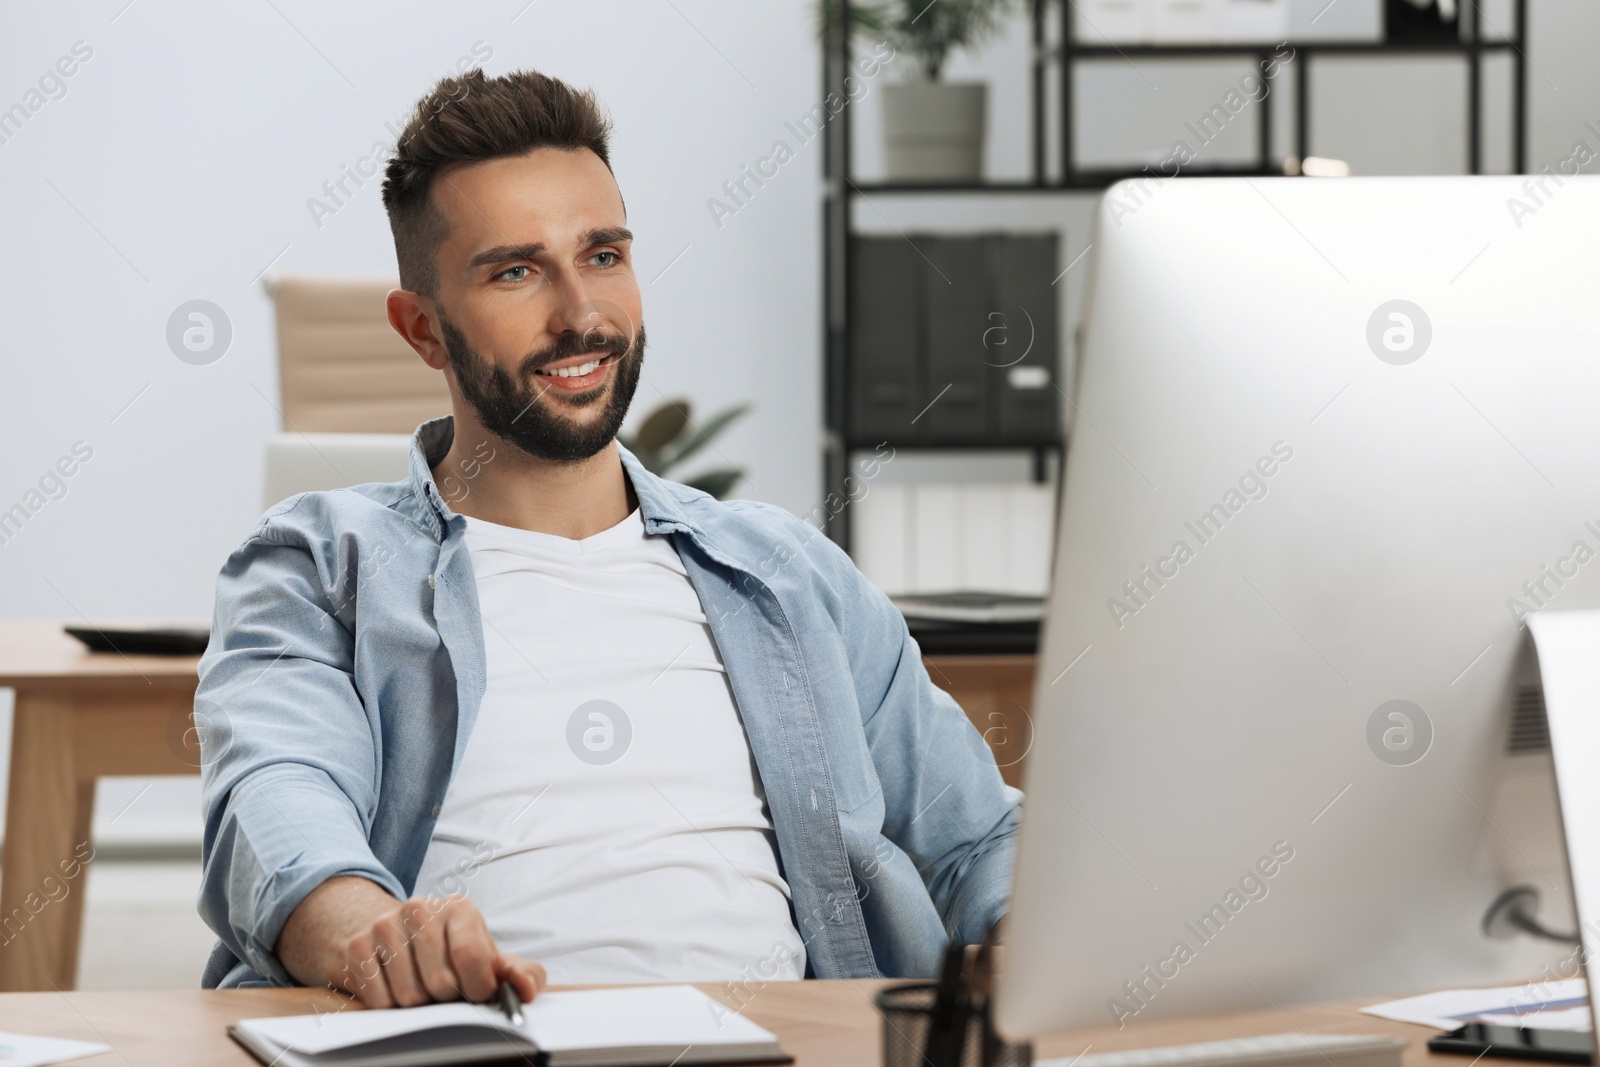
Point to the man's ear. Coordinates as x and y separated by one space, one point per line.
412 316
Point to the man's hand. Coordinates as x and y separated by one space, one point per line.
430 949
351 934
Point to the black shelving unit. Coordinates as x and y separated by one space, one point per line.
841 189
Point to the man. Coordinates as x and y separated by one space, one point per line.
577 712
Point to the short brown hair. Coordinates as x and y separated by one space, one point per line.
469 119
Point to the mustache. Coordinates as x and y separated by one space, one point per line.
576 344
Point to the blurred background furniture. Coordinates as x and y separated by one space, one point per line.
303 462
947 344
341 366
996 692
352 390
79 716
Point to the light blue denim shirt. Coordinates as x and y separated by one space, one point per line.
346 667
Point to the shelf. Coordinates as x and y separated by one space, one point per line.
1204 49
1087 181
1054 57
1101 178
974 638
925 188
949 446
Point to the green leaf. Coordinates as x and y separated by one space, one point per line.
694 438
662 425
648 457
926 32
719 482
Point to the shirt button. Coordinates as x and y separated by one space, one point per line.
436 811
431 584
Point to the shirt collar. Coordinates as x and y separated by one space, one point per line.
663 505
428 445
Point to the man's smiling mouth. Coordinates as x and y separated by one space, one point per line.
579 370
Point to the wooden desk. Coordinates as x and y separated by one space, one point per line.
996 692
79 715
821 1024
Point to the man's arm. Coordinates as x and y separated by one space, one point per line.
945 804
288 775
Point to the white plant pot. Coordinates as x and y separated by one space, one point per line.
933 131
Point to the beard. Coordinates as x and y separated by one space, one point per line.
520 411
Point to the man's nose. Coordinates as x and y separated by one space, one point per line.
573 311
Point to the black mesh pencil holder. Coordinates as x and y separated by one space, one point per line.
916 1035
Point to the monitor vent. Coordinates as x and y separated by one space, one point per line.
1528 731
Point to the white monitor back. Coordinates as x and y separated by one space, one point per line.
1218 732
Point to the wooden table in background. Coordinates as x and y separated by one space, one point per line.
996 692
819 1023
79 715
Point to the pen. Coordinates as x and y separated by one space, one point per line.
947 1025
510 1003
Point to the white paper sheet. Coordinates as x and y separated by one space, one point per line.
25 1050
1560 1005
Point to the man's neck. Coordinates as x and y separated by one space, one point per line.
486 477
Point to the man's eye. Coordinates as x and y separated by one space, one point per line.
615 258
509 276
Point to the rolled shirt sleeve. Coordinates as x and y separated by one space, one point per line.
290 754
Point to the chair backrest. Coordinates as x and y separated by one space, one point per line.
341 366
301 462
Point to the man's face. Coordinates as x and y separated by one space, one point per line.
538 305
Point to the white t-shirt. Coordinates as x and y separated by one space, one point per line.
607 817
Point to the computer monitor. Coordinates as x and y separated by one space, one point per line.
1333 440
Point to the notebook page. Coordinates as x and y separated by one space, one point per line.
634 1016
313 1034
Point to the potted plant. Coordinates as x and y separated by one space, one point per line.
933 130
668 436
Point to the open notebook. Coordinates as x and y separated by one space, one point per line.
579 1028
